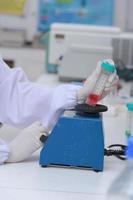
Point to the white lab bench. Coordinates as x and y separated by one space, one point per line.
27 180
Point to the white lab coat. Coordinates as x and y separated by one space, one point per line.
21 101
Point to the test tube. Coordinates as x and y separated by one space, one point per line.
95 95
129 131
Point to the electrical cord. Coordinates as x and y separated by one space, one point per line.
117 150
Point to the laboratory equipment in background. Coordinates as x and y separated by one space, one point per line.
122 186
75 11
129 131
77 48
77 139
18 22
97 91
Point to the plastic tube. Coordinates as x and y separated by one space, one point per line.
106 70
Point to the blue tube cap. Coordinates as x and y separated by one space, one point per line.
129 152
130 106
108 67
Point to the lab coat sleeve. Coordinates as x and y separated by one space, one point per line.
21 101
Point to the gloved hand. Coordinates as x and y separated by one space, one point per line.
4 151
91 81
64 98
27 142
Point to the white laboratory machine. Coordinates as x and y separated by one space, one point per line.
76 49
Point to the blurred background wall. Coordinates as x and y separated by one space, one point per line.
24 22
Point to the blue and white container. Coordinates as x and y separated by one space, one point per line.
129 130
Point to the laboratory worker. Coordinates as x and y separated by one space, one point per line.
35 108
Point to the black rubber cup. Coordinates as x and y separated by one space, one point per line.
87 109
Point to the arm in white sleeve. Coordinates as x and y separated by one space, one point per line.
23 102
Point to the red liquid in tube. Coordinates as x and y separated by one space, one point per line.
92 99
